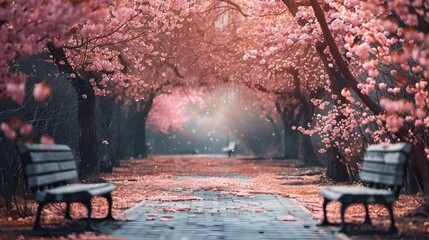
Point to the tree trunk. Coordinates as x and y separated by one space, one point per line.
336 170
420 167
139 135
106 111
89 167
139 143
291 145
306 151
118 121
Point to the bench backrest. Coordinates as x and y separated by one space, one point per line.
47 165
385 165
232 145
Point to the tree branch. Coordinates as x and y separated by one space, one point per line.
81 85
339 61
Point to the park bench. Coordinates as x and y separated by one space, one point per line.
383 173
48 169
230 149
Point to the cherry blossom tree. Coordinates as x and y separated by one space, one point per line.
97 59
26 27
377 49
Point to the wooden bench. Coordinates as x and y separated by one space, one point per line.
47 169
383 173
230 149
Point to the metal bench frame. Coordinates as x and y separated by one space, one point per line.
230 149
48 169
383 172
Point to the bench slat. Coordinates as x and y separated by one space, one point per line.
43 168
383 157
394 147
42 147
74 192
355 192
36 157
391 180
43 180
381 168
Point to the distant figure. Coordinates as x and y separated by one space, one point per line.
230 149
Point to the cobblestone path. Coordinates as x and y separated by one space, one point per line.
218 216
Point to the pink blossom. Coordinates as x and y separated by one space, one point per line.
382 86
398 106
16 91
385 144
426 121
362 51
409 118
427 152
8 132
420 113
417 68
287 218
410 89
420 98
41 91
289 42
46 139
26 129
345 92
421 84
394 123
418 123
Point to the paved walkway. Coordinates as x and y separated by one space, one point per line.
218 216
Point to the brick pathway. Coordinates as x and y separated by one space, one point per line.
218 216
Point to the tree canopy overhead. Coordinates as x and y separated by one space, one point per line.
351 72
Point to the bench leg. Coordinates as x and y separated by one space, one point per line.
37 226
89 226
367 218
343 219
110 204
325 217
392 229
68 215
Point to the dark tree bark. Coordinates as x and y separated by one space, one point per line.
139 139
336 170
291 145
140 149
290 137
106 110
420 168
306 149
118 129
89 167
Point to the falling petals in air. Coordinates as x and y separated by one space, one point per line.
47 140
287 218
26 129
42 91
8 132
